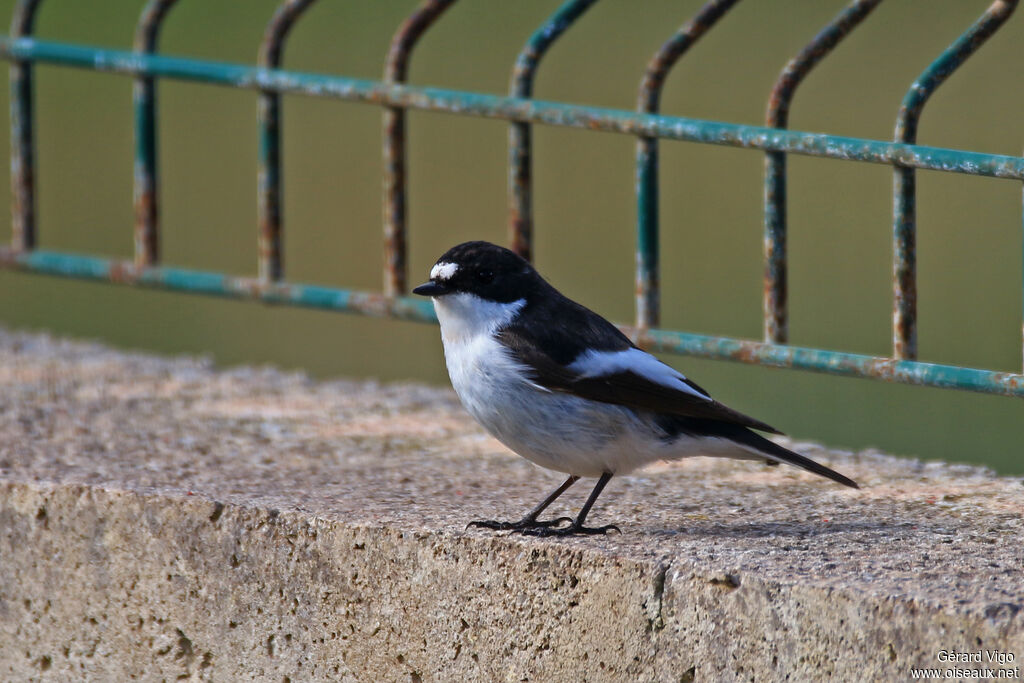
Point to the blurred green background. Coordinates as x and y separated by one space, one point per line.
969 238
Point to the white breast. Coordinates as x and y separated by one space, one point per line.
482 371
554 429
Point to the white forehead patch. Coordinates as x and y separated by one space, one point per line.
444 271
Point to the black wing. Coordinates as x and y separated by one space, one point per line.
578 330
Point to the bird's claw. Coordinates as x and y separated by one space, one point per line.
524 526
571 530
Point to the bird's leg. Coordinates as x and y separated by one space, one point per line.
530 521
577 525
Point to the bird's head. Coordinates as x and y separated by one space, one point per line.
483 271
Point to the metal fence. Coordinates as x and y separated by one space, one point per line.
146 66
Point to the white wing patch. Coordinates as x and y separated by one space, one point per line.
443 271
598 363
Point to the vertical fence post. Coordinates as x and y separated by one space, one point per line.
904 316
396 70
648 305
520 173
269 193
776 323
23 168
146 188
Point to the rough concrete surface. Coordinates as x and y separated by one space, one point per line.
164 520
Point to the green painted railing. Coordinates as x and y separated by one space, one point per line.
270 286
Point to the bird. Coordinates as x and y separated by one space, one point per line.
566 389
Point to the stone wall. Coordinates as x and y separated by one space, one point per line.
162 519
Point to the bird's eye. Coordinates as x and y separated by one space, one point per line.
485 277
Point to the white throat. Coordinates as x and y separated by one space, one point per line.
464 316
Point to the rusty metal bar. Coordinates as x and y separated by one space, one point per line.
420 310
395 182
904 315
146 188
776 323
23 167
600 119
520 174
648 284
269 192
830 362
208 283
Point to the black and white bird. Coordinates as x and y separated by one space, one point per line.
564 388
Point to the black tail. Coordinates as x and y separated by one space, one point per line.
749 439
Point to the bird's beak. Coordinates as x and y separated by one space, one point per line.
431 288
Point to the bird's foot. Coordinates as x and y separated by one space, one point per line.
525 526
571 530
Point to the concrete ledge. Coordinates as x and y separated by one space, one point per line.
161 519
